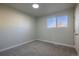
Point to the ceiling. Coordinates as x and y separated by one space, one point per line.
44 8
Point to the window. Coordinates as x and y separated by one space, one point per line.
58 21
52 22
62 21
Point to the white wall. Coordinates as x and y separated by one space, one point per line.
15 27
59 35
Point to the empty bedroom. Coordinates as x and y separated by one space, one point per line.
39 29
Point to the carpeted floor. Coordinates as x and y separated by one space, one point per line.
39 48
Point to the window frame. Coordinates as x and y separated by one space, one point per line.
57 21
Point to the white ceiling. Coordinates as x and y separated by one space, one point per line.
44 8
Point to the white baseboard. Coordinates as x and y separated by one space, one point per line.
57 43
15 46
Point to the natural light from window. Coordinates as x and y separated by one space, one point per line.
62 21
51 22
58 22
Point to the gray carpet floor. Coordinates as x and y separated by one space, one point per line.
39 48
